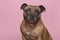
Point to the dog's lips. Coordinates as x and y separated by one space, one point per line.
32 22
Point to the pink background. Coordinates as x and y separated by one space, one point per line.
11 17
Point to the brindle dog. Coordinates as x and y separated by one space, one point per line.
32 27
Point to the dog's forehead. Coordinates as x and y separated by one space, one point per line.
33 8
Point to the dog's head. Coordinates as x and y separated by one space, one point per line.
31 13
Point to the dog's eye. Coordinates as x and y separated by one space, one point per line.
28 11
37 12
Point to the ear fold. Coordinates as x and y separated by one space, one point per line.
42 8
23 5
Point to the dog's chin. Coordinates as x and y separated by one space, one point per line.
32 22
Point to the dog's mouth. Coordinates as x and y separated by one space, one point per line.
32 21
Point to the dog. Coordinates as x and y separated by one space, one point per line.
32 27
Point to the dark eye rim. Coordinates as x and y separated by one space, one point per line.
37 12
27 10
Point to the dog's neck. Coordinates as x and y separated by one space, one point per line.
32 25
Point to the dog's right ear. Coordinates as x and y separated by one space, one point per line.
23 5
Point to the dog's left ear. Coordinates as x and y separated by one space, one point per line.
42 8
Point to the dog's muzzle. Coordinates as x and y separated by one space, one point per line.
31 18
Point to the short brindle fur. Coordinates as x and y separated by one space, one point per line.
32 27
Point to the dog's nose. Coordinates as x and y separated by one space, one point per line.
32 17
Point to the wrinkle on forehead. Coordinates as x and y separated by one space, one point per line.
33 8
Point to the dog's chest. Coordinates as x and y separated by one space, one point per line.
29 28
